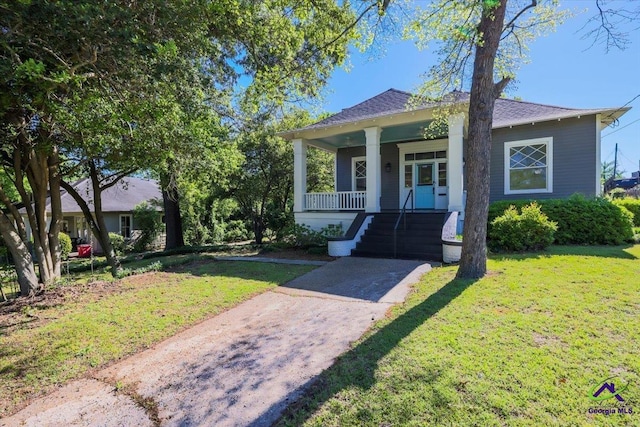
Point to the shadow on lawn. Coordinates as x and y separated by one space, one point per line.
357 366
621 252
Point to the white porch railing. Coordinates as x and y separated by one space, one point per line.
341 200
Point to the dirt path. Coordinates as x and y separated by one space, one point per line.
241 367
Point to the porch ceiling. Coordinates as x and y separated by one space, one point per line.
404 132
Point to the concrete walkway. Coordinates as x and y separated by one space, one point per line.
271 260
240 368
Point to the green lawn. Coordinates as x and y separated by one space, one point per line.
521 347
89 329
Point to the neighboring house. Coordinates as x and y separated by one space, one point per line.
624 183
383 163
118 203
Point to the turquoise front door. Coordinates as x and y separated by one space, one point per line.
425 189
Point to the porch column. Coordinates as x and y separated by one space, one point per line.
299 174
455 160
598 154
373 169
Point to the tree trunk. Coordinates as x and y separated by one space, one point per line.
56 212
101 233
258 229
27 278
473 261
173 219
97 225
33 165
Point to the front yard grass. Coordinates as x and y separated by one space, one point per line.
521 347
95 324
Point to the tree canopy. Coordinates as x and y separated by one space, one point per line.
118 86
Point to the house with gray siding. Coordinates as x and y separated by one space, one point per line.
118 203
385 165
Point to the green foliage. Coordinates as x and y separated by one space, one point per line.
302 236
174 67
148 222
606 172
154 266
118 243
236 230
263 185
450 29
617 193
633 206
580 220
527 230
320 171
65 245
279 220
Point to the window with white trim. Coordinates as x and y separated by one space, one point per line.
359 173
528 166
125 226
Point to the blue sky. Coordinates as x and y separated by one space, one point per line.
563 70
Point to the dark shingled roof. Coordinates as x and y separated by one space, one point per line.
122 197
507 112
391 101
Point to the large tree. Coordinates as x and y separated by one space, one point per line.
263 184
272 52
481 44
57 58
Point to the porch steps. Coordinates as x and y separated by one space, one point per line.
421 239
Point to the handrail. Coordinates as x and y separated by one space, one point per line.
402 214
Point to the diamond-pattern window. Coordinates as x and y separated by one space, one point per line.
528 156
528 164
361 169
359 175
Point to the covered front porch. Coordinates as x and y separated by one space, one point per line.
382 168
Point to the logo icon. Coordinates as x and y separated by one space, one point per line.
607 389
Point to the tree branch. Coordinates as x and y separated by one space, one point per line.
115 178
499 87
533 3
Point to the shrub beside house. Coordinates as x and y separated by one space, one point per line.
580 220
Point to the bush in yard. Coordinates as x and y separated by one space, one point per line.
581 220
529 229
633 206
302 236
236 230
117 241
149 221
65 245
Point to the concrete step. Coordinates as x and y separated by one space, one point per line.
426 256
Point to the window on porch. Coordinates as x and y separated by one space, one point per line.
359 174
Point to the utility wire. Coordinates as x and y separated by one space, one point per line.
631 162
619 129
620 108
